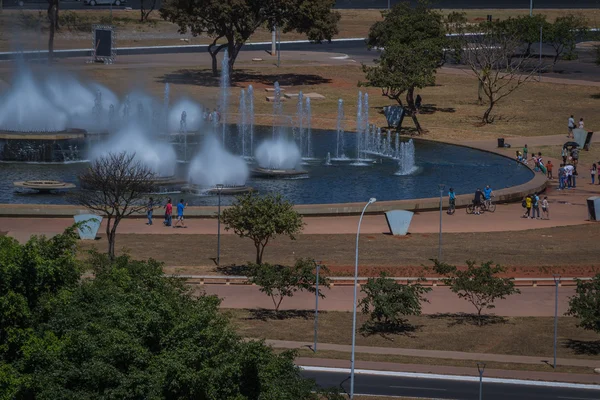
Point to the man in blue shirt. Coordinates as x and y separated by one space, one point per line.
487 194
180 207
451 201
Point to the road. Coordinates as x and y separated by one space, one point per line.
446 389
362 4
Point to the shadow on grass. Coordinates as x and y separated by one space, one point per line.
204 77
233 270
264 314
469 319
431 109
595 96
586 347
385 330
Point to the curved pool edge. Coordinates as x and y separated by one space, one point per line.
507 195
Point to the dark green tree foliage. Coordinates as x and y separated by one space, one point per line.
387 302
480 286
528 28
585 304
412 42
280 281
230 23
131 333
562 35
262 218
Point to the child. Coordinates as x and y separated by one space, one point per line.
545 209
549 167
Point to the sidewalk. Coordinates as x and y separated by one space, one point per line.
453 355
444 370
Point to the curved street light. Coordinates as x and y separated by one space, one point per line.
371 201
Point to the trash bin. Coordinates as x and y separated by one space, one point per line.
501 142
593 204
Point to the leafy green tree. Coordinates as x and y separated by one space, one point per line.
280 281
412 42
585 304
131 333
230 23
480 286
528 28
262 218
387 302
562 35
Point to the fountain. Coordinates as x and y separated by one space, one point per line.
242 123
224 98
250 118
278 158
309 152
277 109
339 139
406 162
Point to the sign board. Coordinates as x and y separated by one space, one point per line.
103 43
88 225
394 116
579 136
398 221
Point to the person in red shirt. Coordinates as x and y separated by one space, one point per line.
168 213
549 167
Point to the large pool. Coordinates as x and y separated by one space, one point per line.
462 168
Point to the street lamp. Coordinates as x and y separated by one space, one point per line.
556 283
441 186
318 265
530 8
480 368
371 201
219 189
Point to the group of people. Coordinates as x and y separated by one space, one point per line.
571 126
168 207
481 198
532 204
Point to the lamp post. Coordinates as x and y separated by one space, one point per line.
371 201
219 188
441 186
480 368
316 307
530 8
556 282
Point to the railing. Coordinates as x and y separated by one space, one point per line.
348 280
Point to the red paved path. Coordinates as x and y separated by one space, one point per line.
532 302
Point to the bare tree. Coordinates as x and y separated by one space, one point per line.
499 62
53 19
145 12
115 186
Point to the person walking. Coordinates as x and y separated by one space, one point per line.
149 210
477 201
562 182
571 126
545 208
581 125
180 207
525 151
535 199
527 201
569 170
565 154
168 212
593 172
488 193
575 156
451 201
549 167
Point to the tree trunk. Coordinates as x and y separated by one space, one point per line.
486 116
258 254
142 9
479 93
213 55
412 109
52 19
234 50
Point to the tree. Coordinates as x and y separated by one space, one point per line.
528 28
230 23
53 6
495 59
280 281
145 12
387 302
115 185
562 35
480 286
585 304
131 333
262 219
412 42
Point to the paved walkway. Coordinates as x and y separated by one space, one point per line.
532 302
451 355
444 370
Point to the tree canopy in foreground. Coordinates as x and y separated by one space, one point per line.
129 333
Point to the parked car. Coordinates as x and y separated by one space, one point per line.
104 2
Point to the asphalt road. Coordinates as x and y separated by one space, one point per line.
446 389
361 4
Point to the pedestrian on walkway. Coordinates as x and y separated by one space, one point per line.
180 207
569 169
549 167
149 210
575 155
168 212
562 181
535 199
477 201
545 208
571 126
451 201
525 151
527 202
565 154
581 125
593 173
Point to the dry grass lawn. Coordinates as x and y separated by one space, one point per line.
401 256
451 111
531 336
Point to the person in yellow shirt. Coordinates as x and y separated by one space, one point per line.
528 202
